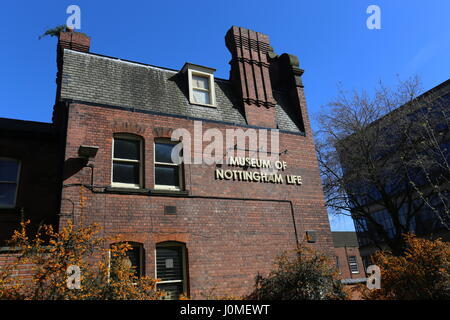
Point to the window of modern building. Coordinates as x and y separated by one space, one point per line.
134 259
9 181
383 218
168 175
171 269
201 85
126 161
353 264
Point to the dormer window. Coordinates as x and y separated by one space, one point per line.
200 89
201 85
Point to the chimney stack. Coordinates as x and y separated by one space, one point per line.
74 40
68 39
250 74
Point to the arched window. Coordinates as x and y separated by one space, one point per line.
168 174
9 181
127 160
134 258
171 269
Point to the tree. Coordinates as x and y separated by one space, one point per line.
301 275
369 149
432 158
104 273
423 272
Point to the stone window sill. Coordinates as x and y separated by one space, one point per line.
152 192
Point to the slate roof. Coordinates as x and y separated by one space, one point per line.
344 239
111 81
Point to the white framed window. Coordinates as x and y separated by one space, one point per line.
201 85
168 175
170 268
127 171
9 182
353 264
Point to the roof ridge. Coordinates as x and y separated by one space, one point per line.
134 62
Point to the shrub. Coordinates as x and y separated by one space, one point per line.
301 275
50 253
422 272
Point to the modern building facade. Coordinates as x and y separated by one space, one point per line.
195 225
422 215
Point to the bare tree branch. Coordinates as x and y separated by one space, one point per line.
384 158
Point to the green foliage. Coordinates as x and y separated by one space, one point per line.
302 275
54 32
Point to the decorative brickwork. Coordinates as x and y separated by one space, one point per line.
250 74
232 230
74 41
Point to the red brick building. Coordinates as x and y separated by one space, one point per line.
196 230
347 257
352 271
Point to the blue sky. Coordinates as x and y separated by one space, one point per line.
329 37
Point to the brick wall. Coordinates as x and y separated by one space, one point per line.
343 253
232 229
